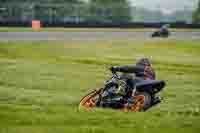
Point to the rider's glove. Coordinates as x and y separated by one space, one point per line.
113 69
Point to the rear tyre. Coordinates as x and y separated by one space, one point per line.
142 102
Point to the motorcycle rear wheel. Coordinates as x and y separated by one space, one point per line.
142 102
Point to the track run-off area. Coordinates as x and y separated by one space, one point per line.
91 35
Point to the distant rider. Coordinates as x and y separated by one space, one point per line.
164 28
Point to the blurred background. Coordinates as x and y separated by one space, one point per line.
98 12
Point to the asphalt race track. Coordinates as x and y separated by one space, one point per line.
89 35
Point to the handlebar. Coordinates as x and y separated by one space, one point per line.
115 75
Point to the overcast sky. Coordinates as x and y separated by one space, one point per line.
165 5
168 6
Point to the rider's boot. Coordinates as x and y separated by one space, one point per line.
156 100
128 105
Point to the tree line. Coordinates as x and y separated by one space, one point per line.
196 14
66 10
75 11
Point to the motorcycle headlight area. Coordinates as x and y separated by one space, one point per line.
121 87
114 89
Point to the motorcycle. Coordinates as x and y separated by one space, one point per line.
143 95
164 33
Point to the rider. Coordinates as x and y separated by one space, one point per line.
164 28
143 71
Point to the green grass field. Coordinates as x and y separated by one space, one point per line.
61 29
41 83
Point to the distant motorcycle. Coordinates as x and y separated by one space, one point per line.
143 95
164 33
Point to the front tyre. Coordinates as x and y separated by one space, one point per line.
89 101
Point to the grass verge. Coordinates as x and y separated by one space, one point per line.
56 29
41 83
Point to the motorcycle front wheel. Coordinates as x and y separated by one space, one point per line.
89 100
